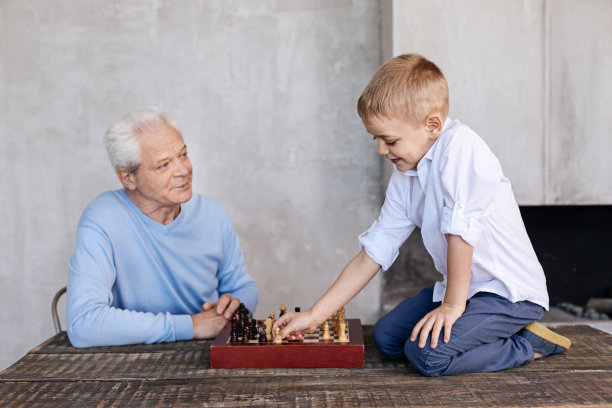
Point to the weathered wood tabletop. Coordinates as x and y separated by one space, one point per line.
178 374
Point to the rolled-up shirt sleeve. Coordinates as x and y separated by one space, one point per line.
383 239
471 177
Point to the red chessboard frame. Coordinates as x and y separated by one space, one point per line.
290 354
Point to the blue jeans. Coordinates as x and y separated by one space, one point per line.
483 339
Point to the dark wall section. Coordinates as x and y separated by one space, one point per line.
574 246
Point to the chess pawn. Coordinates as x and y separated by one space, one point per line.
233 333
342 332
276 339
325 335
283 309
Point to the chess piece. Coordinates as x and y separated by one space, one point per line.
245 334
276 333
269 322
342 338
262 335
325 335
234 332
283 309
297 309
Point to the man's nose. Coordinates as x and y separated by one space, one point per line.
182 168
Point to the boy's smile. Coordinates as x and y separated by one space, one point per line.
401 141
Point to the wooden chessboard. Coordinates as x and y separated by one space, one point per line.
311 352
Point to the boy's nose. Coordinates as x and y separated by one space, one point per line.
382 148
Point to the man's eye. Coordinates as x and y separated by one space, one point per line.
164 165
390 143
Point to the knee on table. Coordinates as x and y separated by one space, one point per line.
432 363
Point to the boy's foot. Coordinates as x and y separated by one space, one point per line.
545 342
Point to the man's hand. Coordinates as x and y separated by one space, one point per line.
442 317
206 325
225 306
294 325
215 315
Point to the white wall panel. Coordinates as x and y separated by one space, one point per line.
492 55
580 138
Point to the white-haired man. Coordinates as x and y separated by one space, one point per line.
153 262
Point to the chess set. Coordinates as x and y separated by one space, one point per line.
249 343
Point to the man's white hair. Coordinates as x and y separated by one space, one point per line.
121 139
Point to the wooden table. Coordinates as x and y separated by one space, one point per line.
178 374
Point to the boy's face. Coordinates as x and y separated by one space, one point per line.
401 141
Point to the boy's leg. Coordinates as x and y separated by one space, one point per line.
393 329
483 339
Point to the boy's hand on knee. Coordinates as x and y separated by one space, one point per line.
441 318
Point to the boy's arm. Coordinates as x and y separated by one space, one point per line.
355 275
458 281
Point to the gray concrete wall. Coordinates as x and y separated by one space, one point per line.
533 78
266 94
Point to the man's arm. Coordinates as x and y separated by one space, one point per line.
458 281
91 318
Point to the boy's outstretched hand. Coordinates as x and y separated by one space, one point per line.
294 324
441 318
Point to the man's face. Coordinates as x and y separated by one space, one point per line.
400 141
164 176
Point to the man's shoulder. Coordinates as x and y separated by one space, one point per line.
201 209
106 206
206 205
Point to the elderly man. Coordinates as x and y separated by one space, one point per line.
153 262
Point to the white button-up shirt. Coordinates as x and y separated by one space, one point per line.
459 188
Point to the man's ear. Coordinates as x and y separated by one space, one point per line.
434 125
127 179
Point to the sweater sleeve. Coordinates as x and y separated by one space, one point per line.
233 276
91 318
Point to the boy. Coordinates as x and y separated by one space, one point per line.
448 183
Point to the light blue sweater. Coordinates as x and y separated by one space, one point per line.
133 280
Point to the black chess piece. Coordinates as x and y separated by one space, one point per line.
262 335
245 335
233 332
252 329
297 309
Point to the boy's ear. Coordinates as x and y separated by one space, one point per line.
433 124
127 179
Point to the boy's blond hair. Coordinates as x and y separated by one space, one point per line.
407 86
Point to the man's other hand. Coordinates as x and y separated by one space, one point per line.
225 306
206 325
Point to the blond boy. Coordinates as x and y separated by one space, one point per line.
447 182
